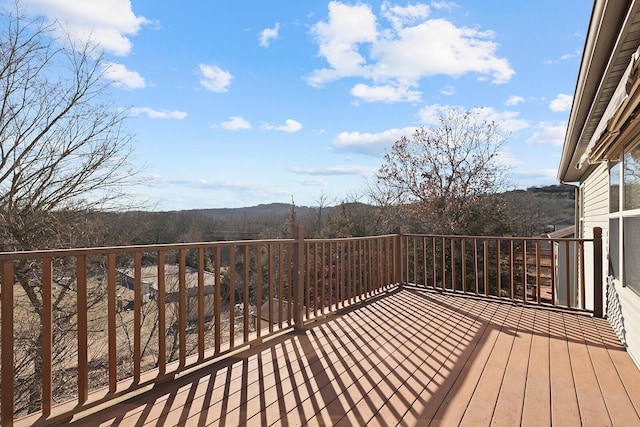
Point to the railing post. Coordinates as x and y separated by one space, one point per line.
597 272
397 257
6 408
298 279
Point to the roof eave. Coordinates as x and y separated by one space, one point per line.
604 26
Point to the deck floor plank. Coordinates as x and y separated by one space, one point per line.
508 409
536 408
410 358
484 399
618 402
593 411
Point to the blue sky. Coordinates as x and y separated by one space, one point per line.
237 103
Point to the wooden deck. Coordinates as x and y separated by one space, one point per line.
410 358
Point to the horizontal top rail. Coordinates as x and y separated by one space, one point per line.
341 239
513 238
44 253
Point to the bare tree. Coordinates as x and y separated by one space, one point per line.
319 212
448 176
64 153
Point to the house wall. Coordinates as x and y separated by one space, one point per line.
622 305
595 213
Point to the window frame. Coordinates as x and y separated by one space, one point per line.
619 216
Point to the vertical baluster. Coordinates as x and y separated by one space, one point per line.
454 283
311 261
182 305
476 285
245 306
498 268
538 271
332 285
524 270
485 249
434 263
281 298
443 250
217 303
463 263
424 261
553 272
582 290
569 270
232 296
323 280
111 321
511 269
349 281
258 313
201 306
47 335
83 353
271 282
414 241
290 283
137 315
162 314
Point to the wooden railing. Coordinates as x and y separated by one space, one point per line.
86 326
543 271
82 327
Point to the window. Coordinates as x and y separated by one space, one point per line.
624 219
614 187
632 179
632 251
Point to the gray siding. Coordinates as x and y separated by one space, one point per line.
595 213
622 304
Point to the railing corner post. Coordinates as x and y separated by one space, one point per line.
397 258
298 280
597 273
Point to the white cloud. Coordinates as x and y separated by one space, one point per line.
269 34
338 40
549 133
506 159
290 126
447 5
384 93
155 114
236 123
412 46
372 144
214 78
448 90
514 100
335 170
535 177
109 24
561 103
122 77
436 46
400 17
564 57
314 182
508 120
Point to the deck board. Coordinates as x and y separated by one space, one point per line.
536 406
508 409
409 358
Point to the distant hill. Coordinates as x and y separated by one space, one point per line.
253 211
529 212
